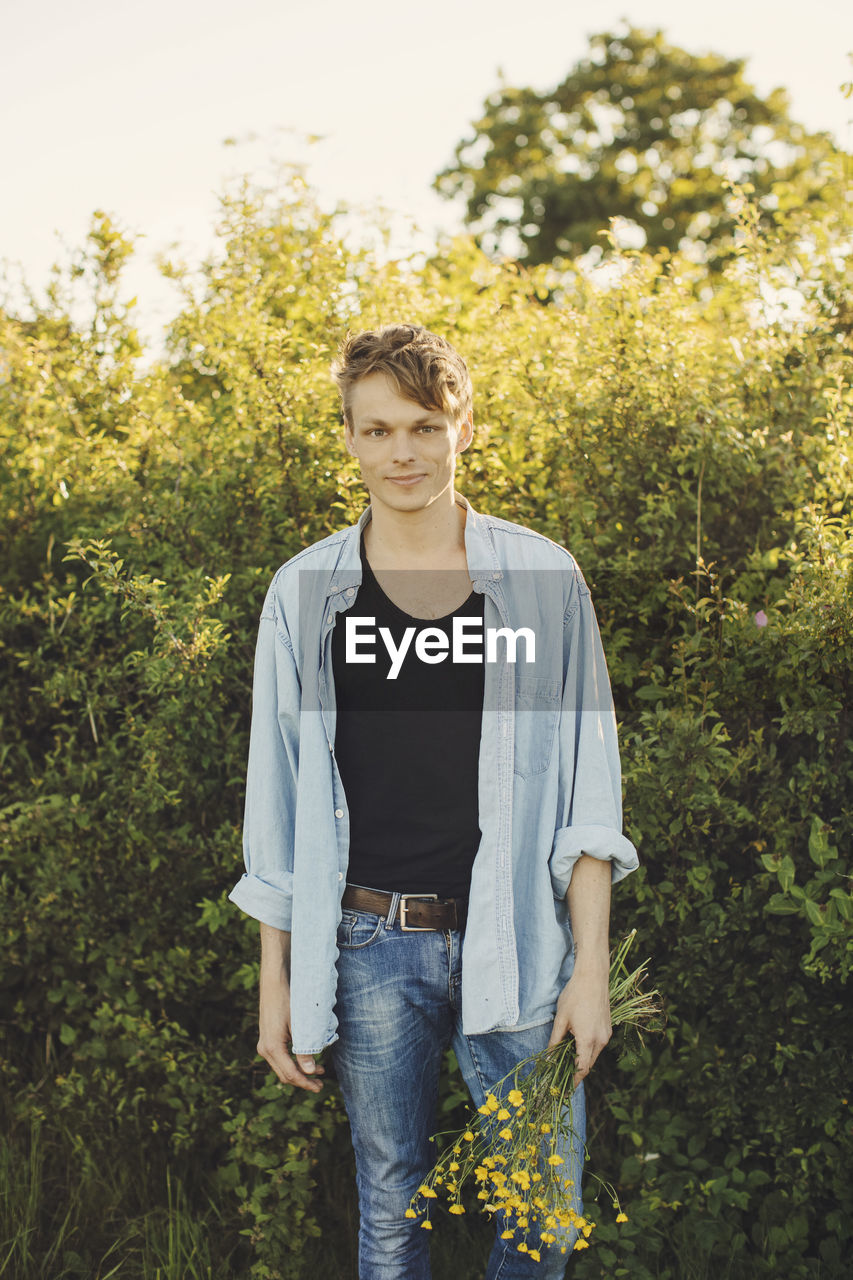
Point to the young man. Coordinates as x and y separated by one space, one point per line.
433 810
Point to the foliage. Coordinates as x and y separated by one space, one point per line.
694 455
639 129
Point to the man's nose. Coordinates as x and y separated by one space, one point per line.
404 449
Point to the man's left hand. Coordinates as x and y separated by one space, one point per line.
583 1009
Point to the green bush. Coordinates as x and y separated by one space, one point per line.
690 448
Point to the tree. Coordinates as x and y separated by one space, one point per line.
639 129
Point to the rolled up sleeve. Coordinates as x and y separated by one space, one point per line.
265 890
590 776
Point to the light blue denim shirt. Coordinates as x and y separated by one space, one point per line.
549 784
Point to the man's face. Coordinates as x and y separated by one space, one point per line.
407 453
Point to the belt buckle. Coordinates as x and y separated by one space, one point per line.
421 897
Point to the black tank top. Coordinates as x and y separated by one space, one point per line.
408 751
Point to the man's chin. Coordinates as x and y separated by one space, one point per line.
401 499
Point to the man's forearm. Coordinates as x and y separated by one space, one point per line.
583 1006
275 952
274 1039
588 899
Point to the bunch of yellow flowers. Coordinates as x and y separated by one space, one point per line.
514 1147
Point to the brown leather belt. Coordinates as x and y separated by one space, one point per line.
417 911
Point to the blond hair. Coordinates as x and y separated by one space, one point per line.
421 365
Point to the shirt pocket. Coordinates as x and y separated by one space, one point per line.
537 709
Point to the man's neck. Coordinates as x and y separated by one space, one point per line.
403 539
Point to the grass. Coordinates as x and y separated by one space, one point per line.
66 1215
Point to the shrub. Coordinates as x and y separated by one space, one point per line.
692 455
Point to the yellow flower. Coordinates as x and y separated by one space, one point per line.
410 1213
468 1135
515 1097
426 1224
555 1159
506 1134
503 1114
454 1165
507 1235
546 1128
492 1102
580 1243
534 1253
428 1192
522 1248
621 1217
456 1208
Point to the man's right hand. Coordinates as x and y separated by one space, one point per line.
275 1037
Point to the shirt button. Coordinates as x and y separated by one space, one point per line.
329 617
351 592
340 875
339 813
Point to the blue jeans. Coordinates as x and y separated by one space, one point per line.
398 1009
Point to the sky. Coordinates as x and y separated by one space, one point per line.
108 104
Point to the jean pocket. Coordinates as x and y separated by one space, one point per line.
537 708
358 930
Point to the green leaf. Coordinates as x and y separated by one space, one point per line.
813 911
786 872
819 847
780 905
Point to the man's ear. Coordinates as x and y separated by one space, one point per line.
466 432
